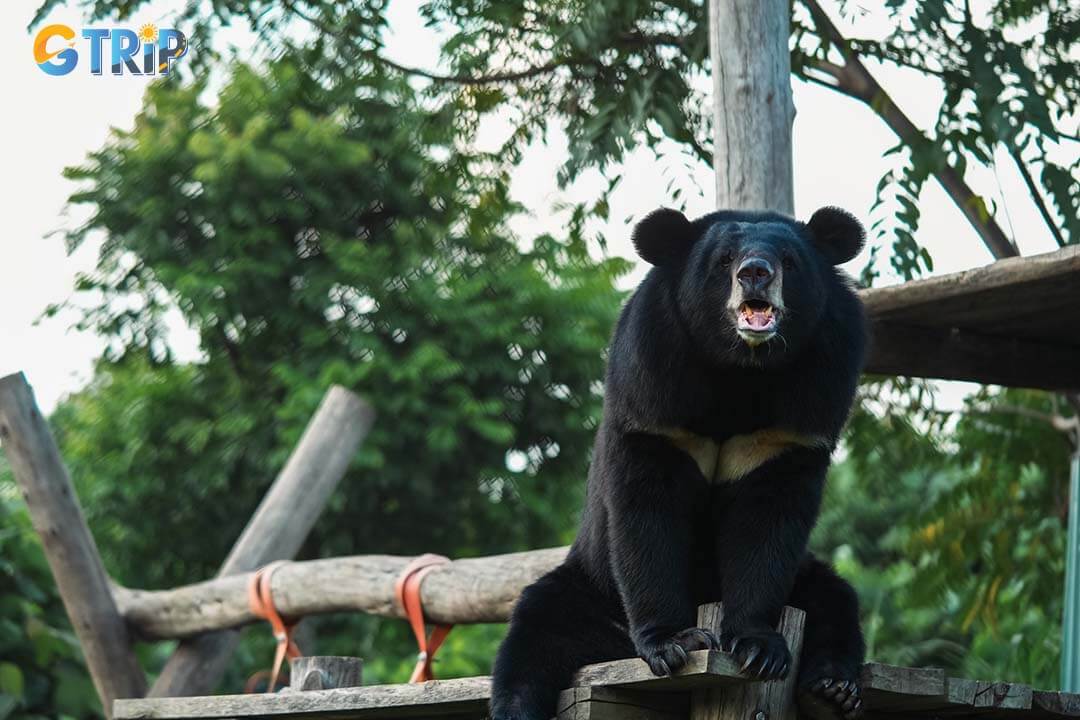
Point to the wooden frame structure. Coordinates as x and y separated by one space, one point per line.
1015 322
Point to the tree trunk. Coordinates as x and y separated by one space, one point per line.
753 111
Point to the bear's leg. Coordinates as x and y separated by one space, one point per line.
833 648
559 623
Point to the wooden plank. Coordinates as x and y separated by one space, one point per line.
422 699
774 700
436 698
469 590
703 668
1046 704
898 349
889 688
984 698
278 527
69 547
600 703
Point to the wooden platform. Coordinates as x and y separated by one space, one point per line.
1015 322
621 689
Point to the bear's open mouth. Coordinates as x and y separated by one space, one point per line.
757 316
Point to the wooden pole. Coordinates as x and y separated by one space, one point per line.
69 547
325 672
773 700
752 107
277 529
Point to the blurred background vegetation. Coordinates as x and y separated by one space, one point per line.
324 218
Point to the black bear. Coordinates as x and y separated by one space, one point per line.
730 375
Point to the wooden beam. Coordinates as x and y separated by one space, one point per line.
903 689
1055 268
953 354
774 700
472 590
69 547
278 528
604 703
464 697
888 691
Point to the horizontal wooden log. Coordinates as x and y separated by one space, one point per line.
957 354
1058 268
471 590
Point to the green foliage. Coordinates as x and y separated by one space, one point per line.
1011 81
317 229
41 666
953 530
616 75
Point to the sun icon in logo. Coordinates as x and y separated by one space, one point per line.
148 33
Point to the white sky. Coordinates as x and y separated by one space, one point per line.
53 122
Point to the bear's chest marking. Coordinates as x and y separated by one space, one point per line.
739 455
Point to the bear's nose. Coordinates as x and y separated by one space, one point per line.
754 273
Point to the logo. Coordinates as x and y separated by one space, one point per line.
147 51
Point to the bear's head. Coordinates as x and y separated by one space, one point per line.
750 287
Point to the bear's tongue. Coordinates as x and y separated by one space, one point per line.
756 316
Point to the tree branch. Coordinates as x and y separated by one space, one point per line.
1040 203
853 79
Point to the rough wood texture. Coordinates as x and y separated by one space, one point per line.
1049 704
471 590
278 528
752 107
1014 322
703 668
774 700
626 689
983 697
467 697
325 672
902 688
600 703
69 547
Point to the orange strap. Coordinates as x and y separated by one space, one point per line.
407 589
261 601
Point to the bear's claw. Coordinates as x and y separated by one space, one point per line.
669 656
762 655
830 699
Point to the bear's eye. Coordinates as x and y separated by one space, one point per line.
789 262
727 258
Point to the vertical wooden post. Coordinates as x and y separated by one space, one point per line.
277 529
69 547
773 700
752 107
325 672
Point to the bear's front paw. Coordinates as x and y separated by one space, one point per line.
669 655
761 654
831 699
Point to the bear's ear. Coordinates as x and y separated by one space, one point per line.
837 234
663 236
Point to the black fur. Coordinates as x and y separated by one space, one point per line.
657 539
